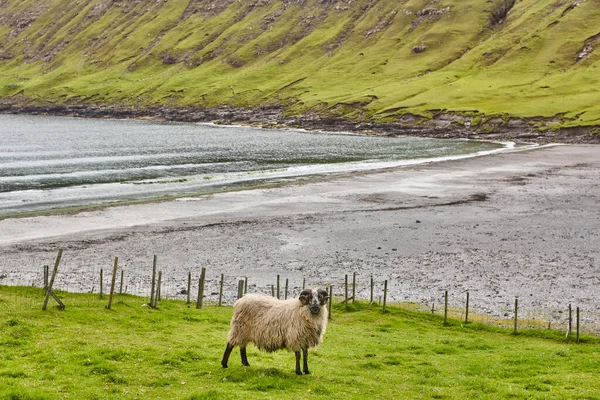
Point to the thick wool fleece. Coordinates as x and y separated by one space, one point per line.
273 324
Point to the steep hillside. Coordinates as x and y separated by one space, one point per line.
401 61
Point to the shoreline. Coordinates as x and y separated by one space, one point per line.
274 182
72 196
505 225
443 125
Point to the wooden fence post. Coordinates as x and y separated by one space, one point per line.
516 314
121 285
286 289
303 283
221 290
570 322
445 307
384 294
353 287
189 288
467 310
49 291
240 289
372 287
245 285
46 277
201 289
272 290
153 287
330 300
101 283
112 283
158 284
577 316
278 291
346 292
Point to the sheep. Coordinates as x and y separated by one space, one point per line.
273 324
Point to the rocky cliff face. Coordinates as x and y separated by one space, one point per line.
363 60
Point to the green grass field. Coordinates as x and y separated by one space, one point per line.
353 59
174 352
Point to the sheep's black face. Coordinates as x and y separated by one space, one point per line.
314 299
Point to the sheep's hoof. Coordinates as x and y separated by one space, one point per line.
224 365
307 372
246 364
298 372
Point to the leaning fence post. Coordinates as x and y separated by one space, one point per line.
201 289
445 307
384 295
516 314
153 287
221 290
467 310
49 291
286 288
245 285
112 283
303 283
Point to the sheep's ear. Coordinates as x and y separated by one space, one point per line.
323 296
305 296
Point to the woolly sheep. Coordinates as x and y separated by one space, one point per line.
273 324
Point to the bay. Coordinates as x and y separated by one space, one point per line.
59 162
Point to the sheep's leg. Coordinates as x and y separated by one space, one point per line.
298 370
244 357
305 365
226 355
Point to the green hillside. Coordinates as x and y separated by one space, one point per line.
401 61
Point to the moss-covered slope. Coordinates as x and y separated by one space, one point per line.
377 60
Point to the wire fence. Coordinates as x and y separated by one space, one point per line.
217 288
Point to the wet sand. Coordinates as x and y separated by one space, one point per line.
515 224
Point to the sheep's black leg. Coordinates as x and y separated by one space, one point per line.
298 370
226 355
244 357
305 365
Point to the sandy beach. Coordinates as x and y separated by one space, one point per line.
514 224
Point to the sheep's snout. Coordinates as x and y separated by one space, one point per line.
315 308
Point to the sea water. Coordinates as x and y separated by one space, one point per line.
58 162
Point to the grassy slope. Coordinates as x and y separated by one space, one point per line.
88 352
351 58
